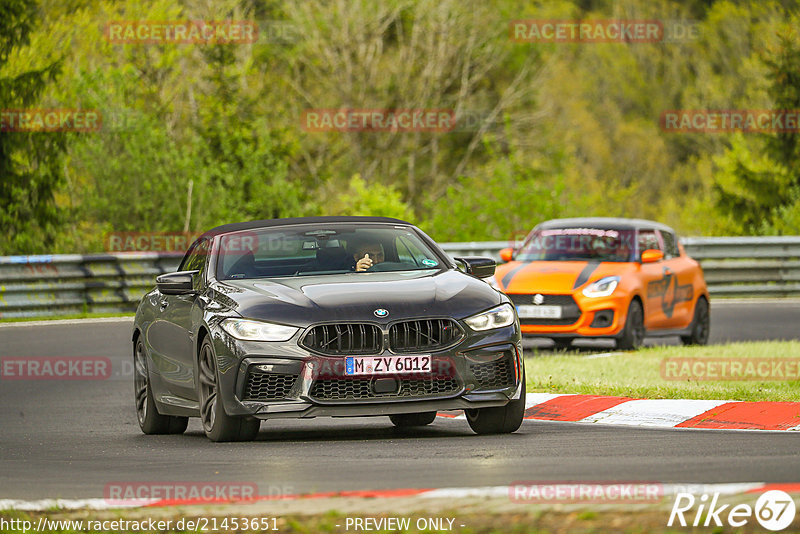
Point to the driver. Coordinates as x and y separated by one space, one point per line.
367 254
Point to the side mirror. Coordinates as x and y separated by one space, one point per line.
652 255
179 283
507 254
477 266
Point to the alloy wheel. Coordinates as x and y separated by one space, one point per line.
208 388
140 382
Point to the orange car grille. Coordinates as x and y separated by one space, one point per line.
570 312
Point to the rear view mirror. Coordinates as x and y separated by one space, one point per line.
178 283
652 255
477 266
506 254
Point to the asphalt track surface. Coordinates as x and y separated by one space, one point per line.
68 439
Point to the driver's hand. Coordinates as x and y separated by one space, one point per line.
364 263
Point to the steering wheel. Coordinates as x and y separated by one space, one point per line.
388 266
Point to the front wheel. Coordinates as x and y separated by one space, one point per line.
150 421
633 334
499 420
701 324
404 420
218 425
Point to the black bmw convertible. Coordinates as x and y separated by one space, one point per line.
325 316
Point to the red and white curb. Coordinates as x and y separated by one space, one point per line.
661 413
665 490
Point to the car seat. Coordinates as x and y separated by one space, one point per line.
334 259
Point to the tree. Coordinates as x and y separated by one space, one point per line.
759 193
783 63
29 161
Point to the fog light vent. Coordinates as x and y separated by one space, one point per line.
603 319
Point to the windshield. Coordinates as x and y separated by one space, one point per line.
578 244
319 250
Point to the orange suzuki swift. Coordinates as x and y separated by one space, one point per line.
605 278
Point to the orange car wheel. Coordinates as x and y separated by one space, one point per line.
633 333
701 324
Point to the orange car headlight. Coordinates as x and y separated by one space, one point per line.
601 288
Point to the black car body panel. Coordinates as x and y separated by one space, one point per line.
270 379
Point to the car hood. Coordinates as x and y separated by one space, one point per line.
305 300
555 276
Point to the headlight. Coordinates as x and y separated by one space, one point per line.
500 316
257 330
601 288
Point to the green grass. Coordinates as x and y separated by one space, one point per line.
638 374
87 315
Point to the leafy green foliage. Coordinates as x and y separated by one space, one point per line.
376 200
749 185
29 161
544 130
758 183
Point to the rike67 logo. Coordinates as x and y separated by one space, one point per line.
774 510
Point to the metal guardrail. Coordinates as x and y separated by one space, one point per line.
733 266
38 286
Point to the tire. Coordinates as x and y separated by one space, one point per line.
562 343
499 420
701 324
633 333
404 420
150 421
218 425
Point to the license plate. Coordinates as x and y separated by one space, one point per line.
539 312
386 365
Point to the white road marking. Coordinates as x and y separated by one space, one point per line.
652 412
64 504
59 322
602 355
532 399
441 493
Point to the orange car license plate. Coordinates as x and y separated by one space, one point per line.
539 312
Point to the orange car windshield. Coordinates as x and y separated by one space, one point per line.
579 244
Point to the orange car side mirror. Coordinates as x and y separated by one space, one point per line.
506 254
652 255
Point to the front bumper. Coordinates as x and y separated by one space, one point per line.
599 317
283 380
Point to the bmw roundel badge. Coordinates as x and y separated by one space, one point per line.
380 312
